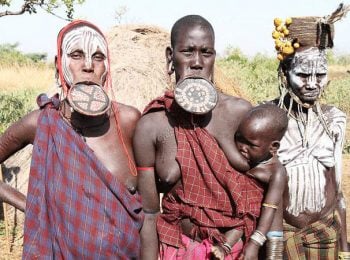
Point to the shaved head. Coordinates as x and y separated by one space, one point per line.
275 119
189 21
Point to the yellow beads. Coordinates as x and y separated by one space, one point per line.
296 45
288 21
277 21
283 44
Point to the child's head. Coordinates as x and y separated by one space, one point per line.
260 131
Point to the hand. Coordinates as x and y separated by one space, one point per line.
250 252
218 253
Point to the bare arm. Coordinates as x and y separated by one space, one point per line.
144 149
232 237
231 113
273 196
15 138
12 196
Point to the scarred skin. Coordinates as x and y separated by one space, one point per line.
100 134
332 200
193 54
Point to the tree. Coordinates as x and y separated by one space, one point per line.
31 6
120 13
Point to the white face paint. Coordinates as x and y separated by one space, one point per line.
86 42
308 74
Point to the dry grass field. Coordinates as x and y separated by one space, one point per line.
15 78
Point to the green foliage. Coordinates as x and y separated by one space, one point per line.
256 76
346 147
337 92
37 57
235 55
50 6
9 55
13 106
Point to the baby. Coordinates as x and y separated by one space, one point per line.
258 139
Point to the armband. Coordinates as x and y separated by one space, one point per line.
267 205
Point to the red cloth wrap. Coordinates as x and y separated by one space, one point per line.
213 195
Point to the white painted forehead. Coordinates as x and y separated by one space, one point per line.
84 38
310 58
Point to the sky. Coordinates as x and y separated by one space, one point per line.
237 23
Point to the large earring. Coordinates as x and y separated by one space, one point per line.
171 68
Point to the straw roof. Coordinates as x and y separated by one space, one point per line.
138 63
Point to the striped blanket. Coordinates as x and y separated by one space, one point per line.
316 241
76 209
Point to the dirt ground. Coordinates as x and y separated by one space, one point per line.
16 235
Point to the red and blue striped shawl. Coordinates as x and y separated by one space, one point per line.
76 209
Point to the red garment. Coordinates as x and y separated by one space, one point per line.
213 195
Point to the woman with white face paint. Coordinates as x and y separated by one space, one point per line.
82 200
311 150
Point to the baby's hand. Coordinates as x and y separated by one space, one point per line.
218 252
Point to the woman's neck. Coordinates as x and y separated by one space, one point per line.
83 124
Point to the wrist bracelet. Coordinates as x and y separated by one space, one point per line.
258 237
227 247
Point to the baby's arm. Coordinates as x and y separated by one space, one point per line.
272 200
232 237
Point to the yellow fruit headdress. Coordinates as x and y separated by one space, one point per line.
310 31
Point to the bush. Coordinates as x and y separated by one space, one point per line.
13 106
9 55
256 76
